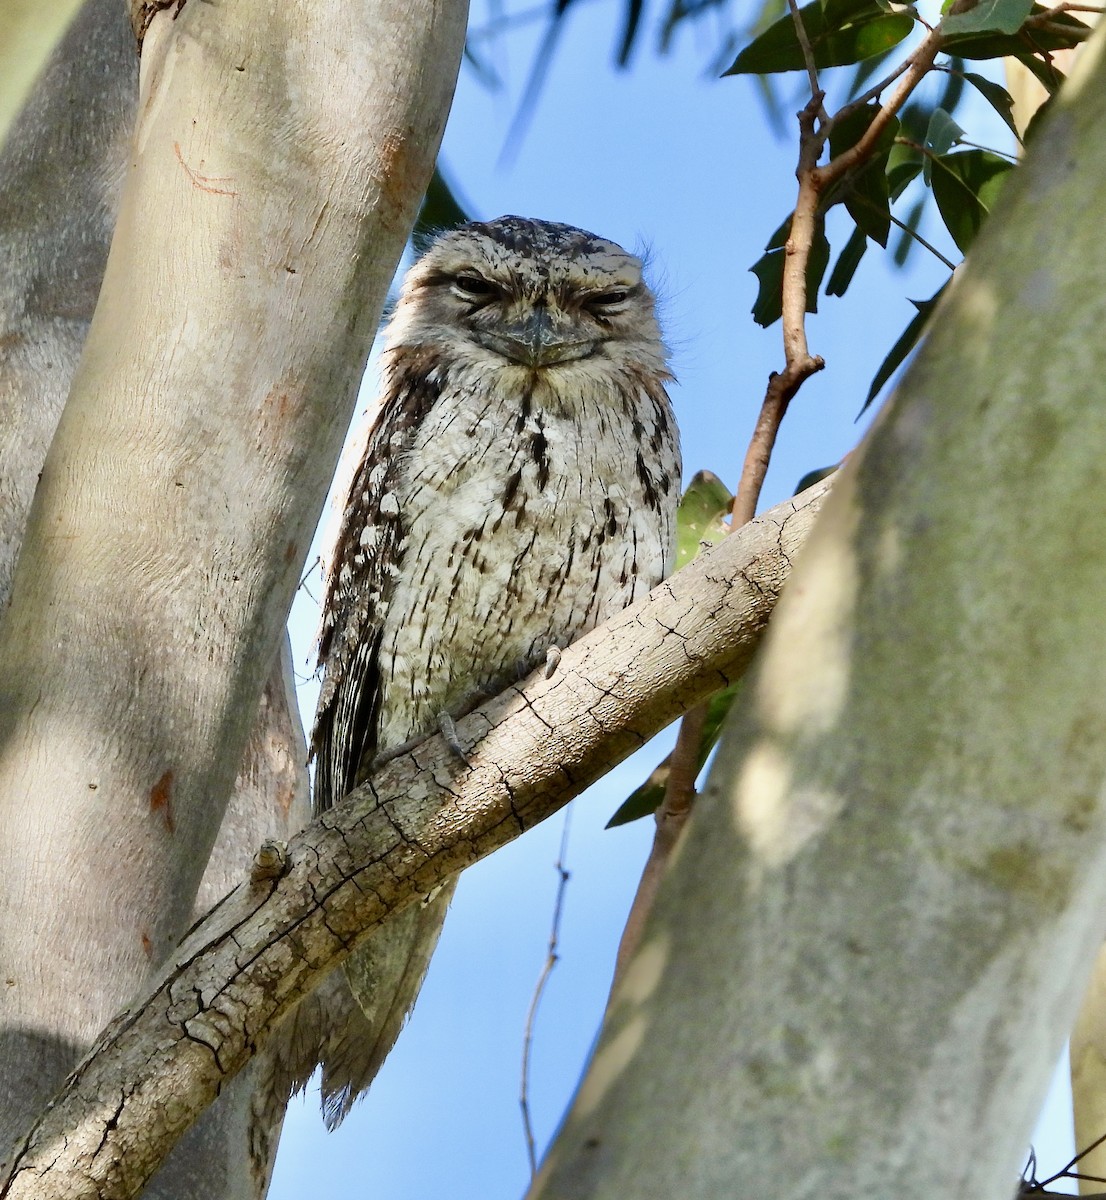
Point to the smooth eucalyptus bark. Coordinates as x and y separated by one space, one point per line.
279 158
870 947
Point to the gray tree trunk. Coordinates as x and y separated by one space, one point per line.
187 482
869 950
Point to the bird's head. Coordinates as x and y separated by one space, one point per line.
532 294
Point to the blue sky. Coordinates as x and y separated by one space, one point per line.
661 158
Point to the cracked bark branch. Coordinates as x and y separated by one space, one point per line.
417 822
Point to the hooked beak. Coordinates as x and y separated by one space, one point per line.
534 342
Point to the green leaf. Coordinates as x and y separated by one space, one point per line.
989 16
700 517
995 95
842 33
1064 31
815 476
914 119
847 262
768 306
942 134
904 165
647 798
868 68
644 799
907 341
866 195
965 186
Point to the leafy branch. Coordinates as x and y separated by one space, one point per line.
878 147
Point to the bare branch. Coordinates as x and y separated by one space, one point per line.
804 46
799 364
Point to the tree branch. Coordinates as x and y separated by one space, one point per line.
416 823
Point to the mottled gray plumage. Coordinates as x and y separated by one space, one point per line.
518 487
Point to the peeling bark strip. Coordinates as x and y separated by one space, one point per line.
420 820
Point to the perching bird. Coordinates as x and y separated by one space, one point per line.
518 487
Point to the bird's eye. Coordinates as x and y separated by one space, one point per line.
611 299
474 287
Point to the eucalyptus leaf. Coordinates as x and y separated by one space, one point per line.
700 523
900 176
847 262
440 208
815 476
966 185
700 517
941 135
631 26
989 16
906 342
768 306
954 85
904 165
1063 33
842 33
866 195
995 95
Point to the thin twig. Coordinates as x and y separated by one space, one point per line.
799 363
539 988
804 46
1067 1168
873 93
1012 158
309 570
911 233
